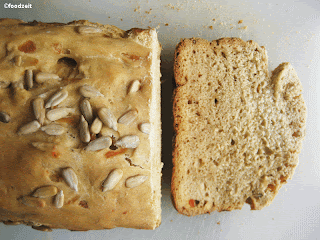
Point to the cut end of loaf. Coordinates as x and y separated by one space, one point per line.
238 132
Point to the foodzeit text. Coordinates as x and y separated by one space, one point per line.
10 5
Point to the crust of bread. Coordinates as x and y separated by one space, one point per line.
238 131
136 53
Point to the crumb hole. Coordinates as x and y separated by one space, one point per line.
232 142
215 101
70 62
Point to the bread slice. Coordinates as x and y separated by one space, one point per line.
59 167
238 131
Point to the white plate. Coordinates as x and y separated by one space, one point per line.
290 31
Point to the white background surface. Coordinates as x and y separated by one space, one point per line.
290 31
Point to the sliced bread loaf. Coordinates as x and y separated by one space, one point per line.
238 131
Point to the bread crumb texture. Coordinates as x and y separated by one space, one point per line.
238 131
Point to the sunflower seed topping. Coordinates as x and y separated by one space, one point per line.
134 86
43 146
4 84
45 77
53 129
29 78
11 222
57 98
135 181
88 30
18 85
99 143
105 131
71 178
39 110
4 117
128 117
131 141
145 127
59 199
108 119
86 110
89 91
45 192
112 180
42 228
84 130
96 126
30 127
18 60
59 113
32 202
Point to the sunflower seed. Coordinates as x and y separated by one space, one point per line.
42 228
29 78
30 127
128 117
18 85
53 129
43 146
99 143
4 117
86 110
145 127
45 192
107 117
88 30
32 202
46 77
84 130
135 181
89 91
18 60
105 131
111 181
70 177
59 199
58 113
96 126
57 98
4 84
134 86
131 141
39 110
9 222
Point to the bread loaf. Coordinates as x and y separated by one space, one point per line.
238 131
73 98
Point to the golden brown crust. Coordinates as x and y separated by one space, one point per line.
78 54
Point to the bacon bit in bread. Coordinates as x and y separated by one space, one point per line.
27 47
83 204
115 153
57 47
283 179
125 212
271 187
191 202
55 154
